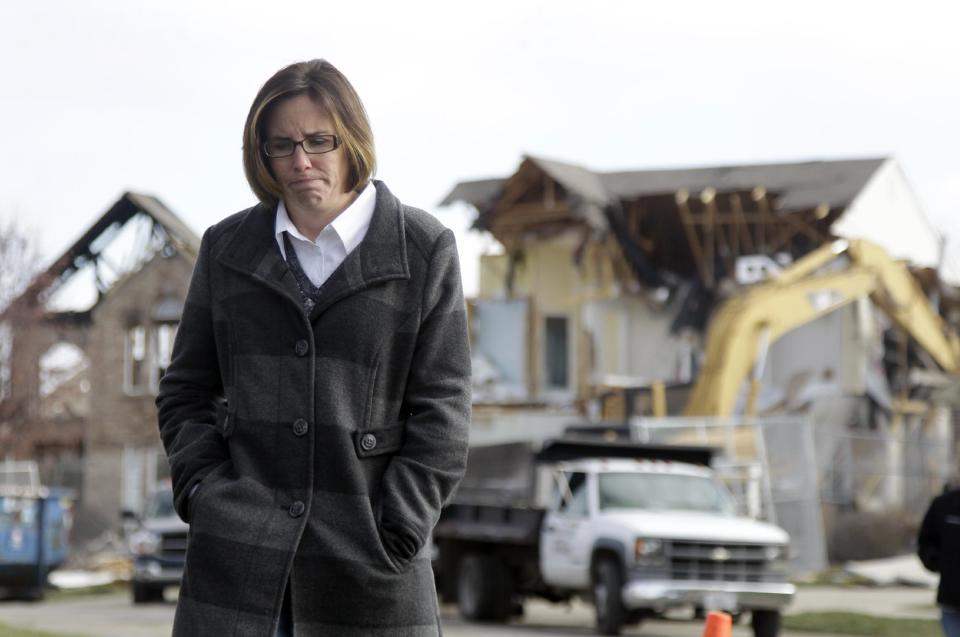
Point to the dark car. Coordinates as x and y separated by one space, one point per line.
159 548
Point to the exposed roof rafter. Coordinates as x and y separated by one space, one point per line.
168 231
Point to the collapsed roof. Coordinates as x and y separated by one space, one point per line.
679 224
160 231
801 185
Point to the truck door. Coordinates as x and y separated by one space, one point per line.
565 541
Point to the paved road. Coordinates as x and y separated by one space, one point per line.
115 616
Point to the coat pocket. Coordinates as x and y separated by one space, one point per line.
203 487
377 442
227 424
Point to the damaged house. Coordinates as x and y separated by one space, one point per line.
606 288
83 350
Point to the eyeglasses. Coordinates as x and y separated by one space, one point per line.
316 145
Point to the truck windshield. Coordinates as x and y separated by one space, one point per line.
161 504
660 491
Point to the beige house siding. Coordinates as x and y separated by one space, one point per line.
613 334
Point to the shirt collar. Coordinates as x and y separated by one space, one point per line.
350 225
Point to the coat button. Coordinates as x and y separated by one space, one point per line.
368 442
300 427
301 347
297 509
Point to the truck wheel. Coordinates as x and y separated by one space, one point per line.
483 588
30 594
765 623
607 587
145 593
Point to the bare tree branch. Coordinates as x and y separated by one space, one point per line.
19 260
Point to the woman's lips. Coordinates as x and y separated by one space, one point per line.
307 181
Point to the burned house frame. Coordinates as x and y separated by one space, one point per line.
608 279
108 308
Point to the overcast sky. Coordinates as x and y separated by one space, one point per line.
103 96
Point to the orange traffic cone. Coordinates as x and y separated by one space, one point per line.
718 625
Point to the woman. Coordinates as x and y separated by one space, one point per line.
938 546
330 318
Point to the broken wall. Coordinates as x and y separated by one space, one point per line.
123 457
568 290
634 344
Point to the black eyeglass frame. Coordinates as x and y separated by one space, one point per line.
293 149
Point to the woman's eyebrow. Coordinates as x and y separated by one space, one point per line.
305 135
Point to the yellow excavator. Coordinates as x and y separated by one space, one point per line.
823 281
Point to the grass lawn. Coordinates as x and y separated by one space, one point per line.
9 631
857 624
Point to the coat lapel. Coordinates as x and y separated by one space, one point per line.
381 256
253 251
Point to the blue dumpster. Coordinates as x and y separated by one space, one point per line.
34 538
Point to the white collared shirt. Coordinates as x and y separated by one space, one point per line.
338 239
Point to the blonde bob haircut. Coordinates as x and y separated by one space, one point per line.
330 88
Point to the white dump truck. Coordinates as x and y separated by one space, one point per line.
636 529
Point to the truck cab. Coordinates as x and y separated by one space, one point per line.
637 529
644 536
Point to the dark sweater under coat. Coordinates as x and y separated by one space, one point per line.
345 430
938 545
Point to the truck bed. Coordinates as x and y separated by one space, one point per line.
519 526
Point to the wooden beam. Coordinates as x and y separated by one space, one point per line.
632 211
682 198
734 236
510 278
731 219
709 197
709 238
759 196
510 238
736 204
535 208
787 234
517 186
794 226
531 216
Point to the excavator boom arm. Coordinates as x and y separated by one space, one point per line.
804 292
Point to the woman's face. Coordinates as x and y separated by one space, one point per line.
309 182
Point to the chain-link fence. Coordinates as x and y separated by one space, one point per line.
770 466
788 470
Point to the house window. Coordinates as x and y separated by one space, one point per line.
500 349
163 337
6 351
135 359
557 352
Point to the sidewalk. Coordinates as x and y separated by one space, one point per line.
887 601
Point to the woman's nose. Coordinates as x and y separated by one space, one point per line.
301 160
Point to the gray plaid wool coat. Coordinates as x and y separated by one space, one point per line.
345 430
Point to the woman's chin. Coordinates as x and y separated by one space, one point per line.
312 197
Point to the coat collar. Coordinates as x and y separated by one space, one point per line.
381 256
